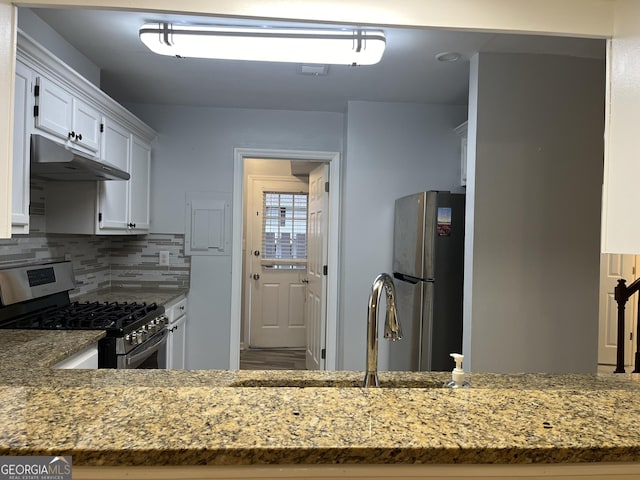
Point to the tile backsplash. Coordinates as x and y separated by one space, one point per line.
104 261
99 261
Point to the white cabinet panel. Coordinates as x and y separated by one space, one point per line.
175 353
113 199
461 130
65 118
176 344
110 207
139 184
86 126
87 358
21 134
55 109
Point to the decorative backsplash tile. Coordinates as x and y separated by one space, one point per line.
98 261
103 261
134 262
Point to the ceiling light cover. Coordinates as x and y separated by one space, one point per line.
338 47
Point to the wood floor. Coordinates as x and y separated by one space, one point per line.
272 359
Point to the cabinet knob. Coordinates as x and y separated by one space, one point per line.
256 276
131 225
72 134
79 136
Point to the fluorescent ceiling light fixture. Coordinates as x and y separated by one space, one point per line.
338 47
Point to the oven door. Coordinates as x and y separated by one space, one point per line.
145 355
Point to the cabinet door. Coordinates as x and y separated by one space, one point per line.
113 198
86 126
178 338
139 184
55 107
21 135
461 130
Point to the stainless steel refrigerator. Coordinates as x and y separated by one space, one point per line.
428 250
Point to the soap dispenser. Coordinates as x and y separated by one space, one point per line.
457 374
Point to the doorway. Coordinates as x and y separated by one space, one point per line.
269 273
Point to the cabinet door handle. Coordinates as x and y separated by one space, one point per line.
131 225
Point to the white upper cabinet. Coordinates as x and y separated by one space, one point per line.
461 130
87 125
123 207
113 196
22 108
66 118
54 109
139 184
54 101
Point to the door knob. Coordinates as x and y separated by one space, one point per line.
256 276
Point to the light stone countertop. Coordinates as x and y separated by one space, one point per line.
158 417
129 295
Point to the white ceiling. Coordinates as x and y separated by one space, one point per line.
408 71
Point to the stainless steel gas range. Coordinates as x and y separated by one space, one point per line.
37 297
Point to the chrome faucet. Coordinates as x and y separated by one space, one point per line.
392 330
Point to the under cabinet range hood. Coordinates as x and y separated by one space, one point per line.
53 161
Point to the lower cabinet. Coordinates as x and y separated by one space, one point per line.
87 358
174 355
176 344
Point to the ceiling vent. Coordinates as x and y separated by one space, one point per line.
316 70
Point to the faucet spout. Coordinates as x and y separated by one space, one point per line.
392 330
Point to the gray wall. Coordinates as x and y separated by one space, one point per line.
393 150
538 156
41 32
194 153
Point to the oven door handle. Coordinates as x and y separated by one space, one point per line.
148 350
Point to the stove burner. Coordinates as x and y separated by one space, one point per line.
115 317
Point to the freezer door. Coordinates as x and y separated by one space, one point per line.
414 316
409 236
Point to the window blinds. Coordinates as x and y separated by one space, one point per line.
284 226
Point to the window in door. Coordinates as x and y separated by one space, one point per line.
284 232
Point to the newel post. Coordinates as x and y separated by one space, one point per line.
621 296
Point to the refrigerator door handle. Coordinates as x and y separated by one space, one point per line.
413 280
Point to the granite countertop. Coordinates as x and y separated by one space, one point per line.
159 417
123 294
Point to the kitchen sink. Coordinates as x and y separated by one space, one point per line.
333 383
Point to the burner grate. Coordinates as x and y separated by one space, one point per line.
110 316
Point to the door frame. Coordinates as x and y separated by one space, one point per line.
333 158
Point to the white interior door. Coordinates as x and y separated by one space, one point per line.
277 259
612 268
317 261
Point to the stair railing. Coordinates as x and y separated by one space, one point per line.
622 293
